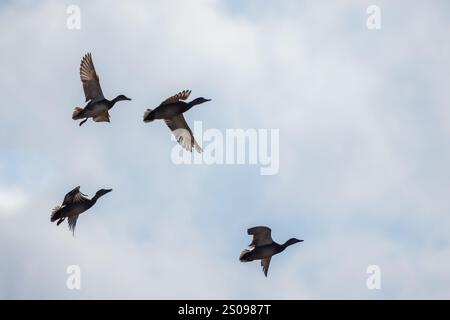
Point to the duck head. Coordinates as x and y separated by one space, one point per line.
101 193
121 97
291 242
199 101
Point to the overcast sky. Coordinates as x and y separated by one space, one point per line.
364 122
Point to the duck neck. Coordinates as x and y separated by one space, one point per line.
95 198
285 245
189 105
113 102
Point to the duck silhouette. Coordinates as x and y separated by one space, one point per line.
263 247
97 106
74 204
171 111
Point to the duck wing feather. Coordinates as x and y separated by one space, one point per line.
265 265
90 80
74 196
182 132
261 236
72 223
183 95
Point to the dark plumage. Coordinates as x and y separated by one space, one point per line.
97 106
74 204
263 247
171 111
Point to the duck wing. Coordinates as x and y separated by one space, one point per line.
72 223
73 196
265 265
90 80
261 236
182 132
183 95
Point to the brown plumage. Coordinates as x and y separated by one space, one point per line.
90 79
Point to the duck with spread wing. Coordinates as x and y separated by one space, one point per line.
263 247
74 204
97 106
171 111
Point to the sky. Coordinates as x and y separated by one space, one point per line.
364 146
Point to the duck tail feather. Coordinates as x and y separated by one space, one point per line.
243 257
147 115
77 113
56 214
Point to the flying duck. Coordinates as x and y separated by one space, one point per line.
74 204
171 111
263 247
97 106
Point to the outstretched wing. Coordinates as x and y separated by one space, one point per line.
265 265
261 236
72 223
90 80
74 196
183 95
182 132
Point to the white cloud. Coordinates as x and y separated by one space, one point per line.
363 172
11 200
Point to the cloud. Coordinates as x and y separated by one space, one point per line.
363 157
12 200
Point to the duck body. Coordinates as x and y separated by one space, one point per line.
74 209
172 107
97 110
74 204
168 111
262 252
93 109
